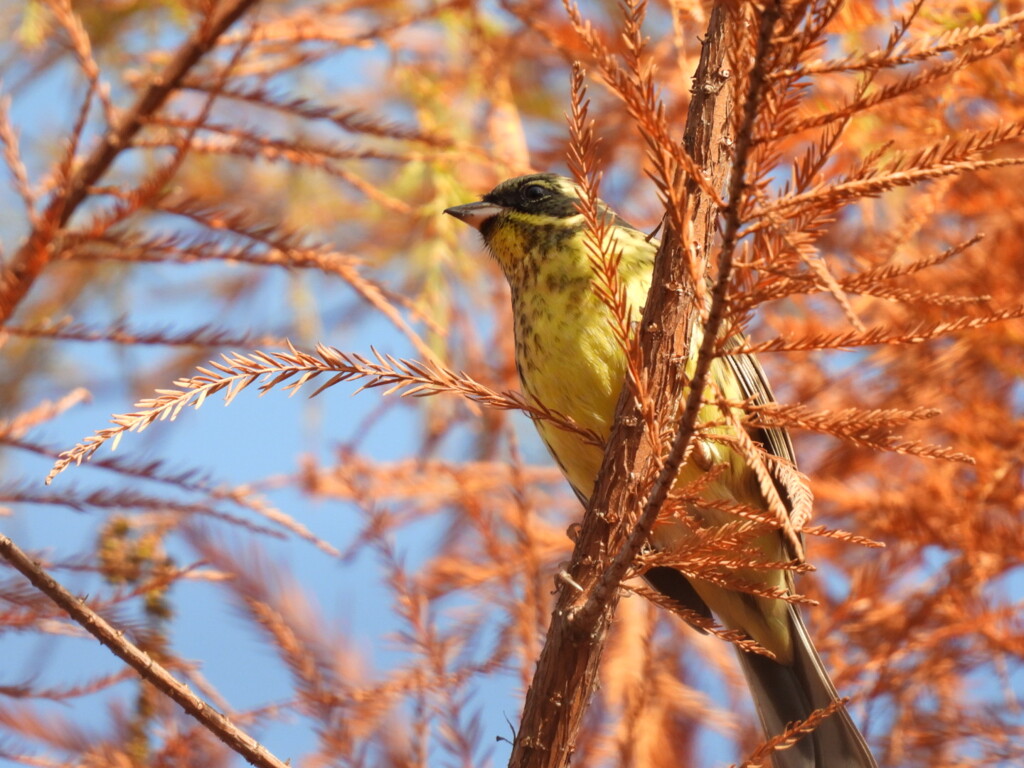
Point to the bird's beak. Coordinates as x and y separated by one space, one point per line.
475 214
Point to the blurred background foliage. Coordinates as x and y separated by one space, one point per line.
367 580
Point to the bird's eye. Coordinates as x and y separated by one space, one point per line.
535 192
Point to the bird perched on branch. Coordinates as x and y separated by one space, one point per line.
571 359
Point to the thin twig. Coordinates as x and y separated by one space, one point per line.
28 263
139 660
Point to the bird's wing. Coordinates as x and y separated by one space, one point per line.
754 385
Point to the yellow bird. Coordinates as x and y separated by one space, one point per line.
570 360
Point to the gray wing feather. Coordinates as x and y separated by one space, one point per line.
755 386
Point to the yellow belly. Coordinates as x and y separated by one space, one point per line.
571 361
577 369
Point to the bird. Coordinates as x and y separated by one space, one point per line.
571 361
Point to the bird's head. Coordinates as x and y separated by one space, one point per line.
538 199
533 223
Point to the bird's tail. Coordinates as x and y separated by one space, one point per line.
786 693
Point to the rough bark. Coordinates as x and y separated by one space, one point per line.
567 670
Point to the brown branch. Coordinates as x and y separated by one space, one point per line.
928 48
139 660
760 757
688 426
909 84
13 159
910 334
567 670
292 370
605 256
28 263
66 329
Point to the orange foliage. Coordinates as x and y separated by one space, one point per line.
874 259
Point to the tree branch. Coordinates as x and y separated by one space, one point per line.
567 669
682 442
17 278
139 660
